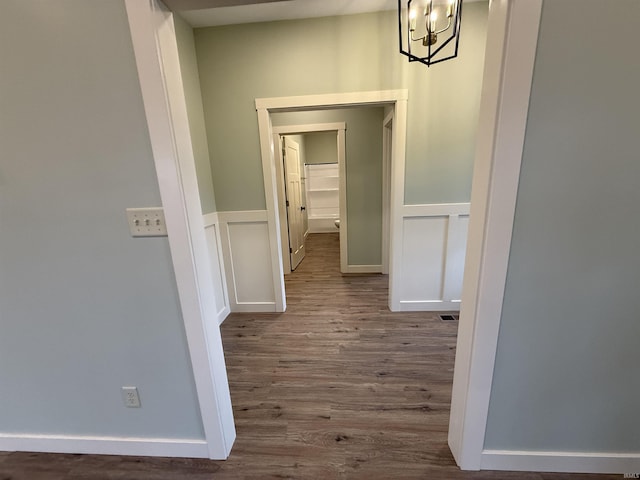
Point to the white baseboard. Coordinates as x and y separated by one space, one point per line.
363 269
223 314
323 225
575 462
429 306
255 307
151 447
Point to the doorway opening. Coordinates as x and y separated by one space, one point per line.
391 105
288 208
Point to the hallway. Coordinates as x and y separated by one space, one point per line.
338 384
337 387
340 387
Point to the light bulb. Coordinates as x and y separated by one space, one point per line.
433 18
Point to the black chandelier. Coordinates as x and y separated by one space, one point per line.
429 29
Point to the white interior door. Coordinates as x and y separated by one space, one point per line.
293 192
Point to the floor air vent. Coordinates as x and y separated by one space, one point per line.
448 317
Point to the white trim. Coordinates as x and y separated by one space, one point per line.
453 272
309 128
265 106
397 201
153 447
446 267
282 208
342 201
271 199
282 204
254 307
250 216
429 305
156 55
211 221
387 154
330 100
238 278
510 55
363 268
575 462
436 210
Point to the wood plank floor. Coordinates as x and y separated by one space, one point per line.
337 387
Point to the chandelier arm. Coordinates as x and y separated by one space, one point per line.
445 28
419 38
428 32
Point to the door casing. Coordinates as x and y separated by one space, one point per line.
279 174
397 100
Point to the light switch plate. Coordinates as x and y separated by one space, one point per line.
146 222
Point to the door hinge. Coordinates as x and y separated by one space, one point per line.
290 250
287 203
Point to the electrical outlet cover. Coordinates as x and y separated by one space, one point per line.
131 397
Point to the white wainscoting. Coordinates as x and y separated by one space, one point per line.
432 252
246 251
433 245
212 233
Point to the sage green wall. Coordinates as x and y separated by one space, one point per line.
240 63
84 307
566 374
363 140
322 147
193 97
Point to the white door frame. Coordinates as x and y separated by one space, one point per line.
265 106
282 207
387 152
510 54
156 53
511 43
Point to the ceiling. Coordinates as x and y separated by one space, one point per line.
208 13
